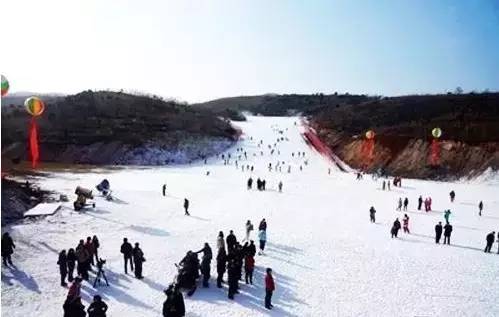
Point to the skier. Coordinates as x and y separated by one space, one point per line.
490 241
138 259
63 267
452 195
249 265
250 183
438 232
405 221
174 305
395 228
164 189
186 207
127 250
220 241
98 308
447 232
420 202
269 288
280 186
262 236
480 208
71 262
447 215
221 262
96 245
372 214
8 247
231 241
406 203
399 206
263 225
249 228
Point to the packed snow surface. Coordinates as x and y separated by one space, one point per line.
327 258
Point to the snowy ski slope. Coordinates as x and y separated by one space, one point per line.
328 259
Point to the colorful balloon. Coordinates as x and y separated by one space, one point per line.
34 106
370 134
436 132
5 85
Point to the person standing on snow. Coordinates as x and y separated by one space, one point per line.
91 251
232 278
231 241
221 262
405 221
249 265
452 195
63 267
249 228
263 225
388 185
406 203
186 207
438 232
269 288
8 247
372 214
71 263
420 202
98 308
205 263
250 183
174 305
220 241
138 259
447 232
127 250
384 185
480 208
447 215
395 228
399 206
82 257
96 245
490 241
164 190
280 186
262 236
74 289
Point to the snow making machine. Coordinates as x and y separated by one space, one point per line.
105 189
82 195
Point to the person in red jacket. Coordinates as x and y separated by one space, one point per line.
269 288
249 265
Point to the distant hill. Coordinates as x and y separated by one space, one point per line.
116 128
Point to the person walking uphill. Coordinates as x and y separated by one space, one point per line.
372 214
186 207
438 232
490 241
269 288
447 233
262 236
126 249
138 259
8 247
63 267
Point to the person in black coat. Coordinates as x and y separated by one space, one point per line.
395 228
186 207
98 308
438 232
232 279
372 214
263 225
221 263
174 305
73 307
420 202
8 247
231 240
452 195
480 208
447 233
406 203
250 183
490 241
63 267
252 248
127 250
138 259
71 263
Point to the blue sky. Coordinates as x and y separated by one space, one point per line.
200 50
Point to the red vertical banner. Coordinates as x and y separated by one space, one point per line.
435 152
33 143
